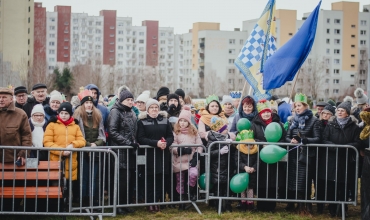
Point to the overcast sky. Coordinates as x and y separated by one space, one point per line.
181 14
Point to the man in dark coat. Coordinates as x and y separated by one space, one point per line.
20 94
319 107
39 92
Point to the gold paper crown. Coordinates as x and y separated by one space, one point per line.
263 104
199 104
211 98
300 98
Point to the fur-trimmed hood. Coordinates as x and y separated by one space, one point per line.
144 115
353 118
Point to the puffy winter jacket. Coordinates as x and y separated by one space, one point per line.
57 135
122 128
219 163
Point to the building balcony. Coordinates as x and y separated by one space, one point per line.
201 64
201 55
201 74
201 45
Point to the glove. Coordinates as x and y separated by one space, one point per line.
135 146
70 146
228 140
224 150
182 151
194 161
304 141
66 153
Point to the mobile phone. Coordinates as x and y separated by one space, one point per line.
18 162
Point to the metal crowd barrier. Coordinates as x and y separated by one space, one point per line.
344 191
43 187
111 185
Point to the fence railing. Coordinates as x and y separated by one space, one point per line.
106 180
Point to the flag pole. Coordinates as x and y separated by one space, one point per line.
295 81
241 95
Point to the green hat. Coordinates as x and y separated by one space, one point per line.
331 102
299 97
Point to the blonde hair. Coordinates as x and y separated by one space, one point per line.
80 113
192 129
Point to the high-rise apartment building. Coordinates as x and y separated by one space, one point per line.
338 61
16 41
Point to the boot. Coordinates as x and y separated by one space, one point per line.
290 207
193 193
243 206
250 206
320 208
309 207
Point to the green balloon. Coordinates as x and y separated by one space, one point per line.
272 153
238 137
243 124
273 132
202 182
239 183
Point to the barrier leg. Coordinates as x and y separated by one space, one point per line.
219 206
343 212
196 207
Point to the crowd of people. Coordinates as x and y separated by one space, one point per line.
90 120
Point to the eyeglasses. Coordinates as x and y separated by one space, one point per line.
38 116
140 103
154 107
20 96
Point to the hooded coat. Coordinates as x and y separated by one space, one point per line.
57 135
14 131
122 128
334 134
219 163
149 132
103 110
49 112
239 115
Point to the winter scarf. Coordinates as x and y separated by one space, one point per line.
229 111
299 120
37 133
66 123
184 130
365 133
206 116
343 121
245 149
249 116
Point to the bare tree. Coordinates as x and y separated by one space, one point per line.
213 85
312 77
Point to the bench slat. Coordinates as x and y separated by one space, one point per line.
42 192
44 165
31 175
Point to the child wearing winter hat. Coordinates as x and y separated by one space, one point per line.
247 157
38 124
186 158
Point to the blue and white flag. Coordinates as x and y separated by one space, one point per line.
257 49
283 66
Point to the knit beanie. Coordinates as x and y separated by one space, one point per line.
65 106
143 97
163 91
180 92
56 96
227 99
173 96
38 109
331 102
151 102
346 106
185 114
329 108
86 98
348 99
361 98
125 94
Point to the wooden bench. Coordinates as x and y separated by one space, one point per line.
45 171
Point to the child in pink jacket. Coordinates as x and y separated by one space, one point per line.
185 159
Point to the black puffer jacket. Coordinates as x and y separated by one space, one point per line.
312 132
150 131
334 134
122 129
249 160
31 102
267 171
219 163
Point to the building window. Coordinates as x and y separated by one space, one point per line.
362 71
51 59
326 80
327 70
328 31
52 35
362 82
231 60
52 28
327 51
328 41
290 34
52 19
336 61
328 20
362 42
98 23
231 70
352 56
336 41
120 32
51 43
51 51
231 51
141 41
336 51
336 21
363 22
141 33
353 26
336 31
335 91
327 61
241 42
352 66
231 41
336 71
353 36
363 32
120 39
352 46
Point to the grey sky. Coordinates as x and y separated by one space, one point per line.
182 14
